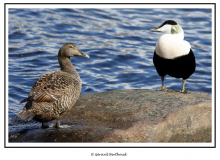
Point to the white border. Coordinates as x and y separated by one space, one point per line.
109 6
110 144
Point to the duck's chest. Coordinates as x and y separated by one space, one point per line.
170 47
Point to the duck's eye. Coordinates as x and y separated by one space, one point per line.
71 46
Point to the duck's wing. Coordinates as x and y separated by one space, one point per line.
50 87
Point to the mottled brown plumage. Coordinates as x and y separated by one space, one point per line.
54 93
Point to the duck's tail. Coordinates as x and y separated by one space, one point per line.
26 115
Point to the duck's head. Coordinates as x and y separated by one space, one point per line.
70 50
168 27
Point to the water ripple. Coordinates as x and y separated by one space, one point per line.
118 41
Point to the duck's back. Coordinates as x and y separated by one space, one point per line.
52 95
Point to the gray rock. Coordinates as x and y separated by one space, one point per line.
127 116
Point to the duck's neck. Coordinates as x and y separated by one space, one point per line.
179 36
66 65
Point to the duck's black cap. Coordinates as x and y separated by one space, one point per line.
171 22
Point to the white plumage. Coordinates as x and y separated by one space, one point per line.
172 45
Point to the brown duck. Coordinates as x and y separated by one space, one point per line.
54 93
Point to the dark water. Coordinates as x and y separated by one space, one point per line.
118 42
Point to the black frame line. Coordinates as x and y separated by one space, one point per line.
214 78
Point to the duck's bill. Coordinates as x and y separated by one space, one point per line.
154 30
84 55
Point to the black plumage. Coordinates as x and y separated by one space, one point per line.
179 67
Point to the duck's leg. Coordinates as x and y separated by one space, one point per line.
163 87
44 125
183 88
57 125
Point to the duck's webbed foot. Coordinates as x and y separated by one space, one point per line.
162 89
184 91
165 89
57 125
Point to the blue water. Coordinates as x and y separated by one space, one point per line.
118 42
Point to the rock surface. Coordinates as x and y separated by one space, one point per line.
127 116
